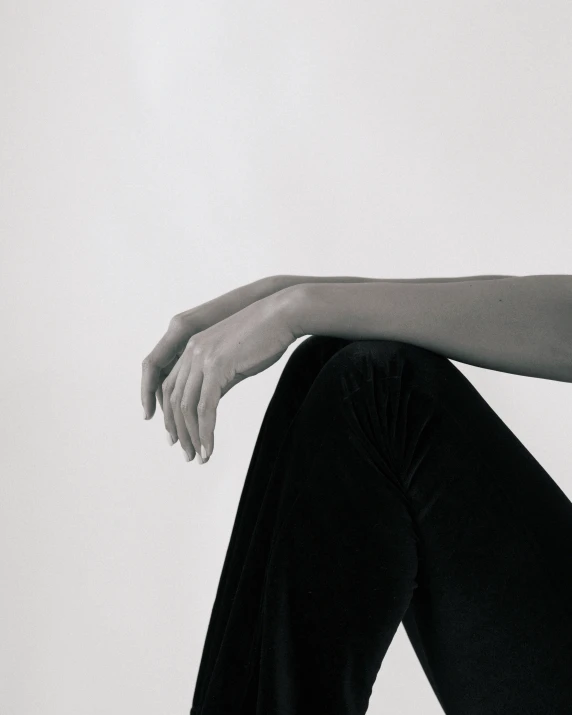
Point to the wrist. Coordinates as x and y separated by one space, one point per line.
292 304
277 283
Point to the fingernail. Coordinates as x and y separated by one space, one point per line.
203 452
170 439
144 414
199 459
186 455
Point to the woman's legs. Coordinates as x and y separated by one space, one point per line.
384 488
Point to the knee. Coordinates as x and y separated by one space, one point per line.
364 360
369 359
379 351
309 356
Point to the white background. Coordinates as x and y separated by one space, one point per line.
155 155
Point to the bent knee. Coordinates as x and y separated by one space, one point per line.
368 357
312 353
392 359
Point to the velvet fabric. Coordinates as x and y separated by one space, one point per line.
383 489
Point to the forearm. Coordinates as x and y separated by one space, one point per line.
285 281
236 299
520 325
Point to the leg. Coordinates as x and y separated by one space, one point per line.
404 496
237 607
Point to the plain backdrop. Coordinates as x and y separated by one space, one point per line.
156 155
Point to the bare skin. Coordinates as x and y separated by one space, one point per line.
208 349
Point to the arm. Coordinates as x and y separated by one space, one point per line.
280 282
515 324
219 308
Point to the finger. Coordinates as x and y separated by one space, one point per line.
161 355
211 393
159 396
184 438
159 391
189 400
168 386
183 370
149 380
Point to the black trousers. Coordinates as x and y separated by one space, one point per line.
383 489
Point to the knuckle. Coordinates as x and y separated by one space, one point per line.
202 407
146 362
185 407
167 387
210 360
173 399
176 322
190 348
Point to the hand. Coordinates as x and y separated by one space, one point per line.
159 363
206 366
